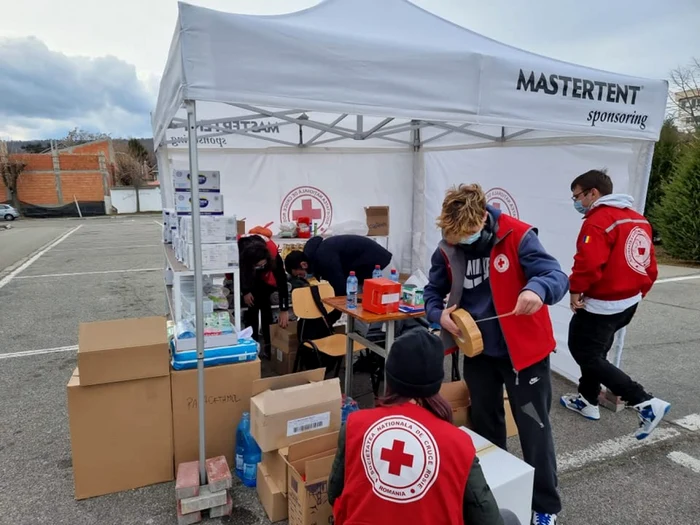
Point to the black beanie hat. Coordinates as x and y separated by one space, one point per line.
415 366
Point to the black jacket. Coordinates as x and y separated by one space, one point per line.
334 258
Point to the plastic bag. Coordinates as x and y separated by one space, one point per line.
352 227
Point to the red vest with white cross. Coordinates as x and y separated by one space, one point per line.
403 465
529 338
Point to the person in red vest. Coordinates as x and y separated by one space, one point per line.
262 274
491 264
614 269
404 462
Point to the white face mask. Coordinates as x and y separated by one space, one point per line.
471 239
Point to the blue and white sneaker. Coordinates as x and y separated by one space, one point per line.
578 404
650 415
539 518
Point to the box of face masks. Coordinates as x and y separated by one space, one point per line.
209 203
208 180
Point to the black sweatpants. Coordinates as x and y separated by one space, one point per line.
590 338
261 311
530 395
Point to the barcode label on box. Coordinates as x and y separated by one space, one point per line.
308 424
280 355
390 298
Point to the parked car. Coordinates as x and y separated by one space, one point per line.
8 213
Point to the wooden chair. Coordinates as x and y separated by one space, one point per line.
307 308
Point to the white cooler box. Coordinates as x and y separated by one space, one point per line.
510 478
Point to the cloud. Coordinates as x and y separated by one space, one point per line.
44 93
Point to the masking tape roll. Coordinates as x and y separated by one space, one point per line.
471 344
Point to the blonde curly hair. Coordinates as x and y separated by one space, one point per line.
463 212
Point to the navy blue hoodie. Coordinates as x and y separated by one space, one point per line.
543 273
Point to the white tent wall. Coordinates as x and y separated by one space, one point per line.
532 181
259 186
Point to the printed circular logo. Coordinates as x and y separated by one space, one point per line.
307 201
501 263
401 459
502 200
638 250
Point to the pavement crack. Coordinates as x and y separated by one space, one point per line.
673 305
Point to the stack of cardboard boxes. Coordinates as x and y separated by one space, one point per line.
295 420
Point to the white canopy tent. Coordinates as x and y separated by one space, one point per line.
362 102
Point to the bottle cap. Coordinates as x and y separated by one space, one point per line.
352 273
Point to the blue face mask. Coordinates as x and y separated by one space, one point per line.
580 207
471 239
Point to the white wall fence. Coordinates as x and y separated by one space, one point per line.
124 199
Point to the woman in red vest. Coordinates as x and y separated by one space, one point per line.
405 462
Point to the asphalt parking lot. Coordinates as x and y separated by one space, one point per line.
55 274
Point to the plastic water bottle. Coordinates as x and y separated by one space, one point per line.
394 275
349 405
377 272
248 453
351 291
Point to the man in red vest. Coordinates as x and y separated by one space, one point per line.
614 269
405 462
492 264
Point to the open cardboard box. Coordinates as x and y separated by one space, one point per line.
457 395
377 221
295 407
309 465
511 479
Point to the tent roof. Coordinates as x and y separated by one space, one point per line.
391 58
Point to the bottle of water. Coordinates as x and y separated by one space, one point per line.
394 275
351 291
349 405
377 272
248 453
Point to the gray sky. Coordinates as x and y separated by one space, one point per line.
96 64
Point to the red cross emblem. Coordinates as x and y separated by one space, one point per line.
396 457
307 210
501 263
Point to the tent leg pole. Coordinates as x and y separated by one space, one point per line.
198 280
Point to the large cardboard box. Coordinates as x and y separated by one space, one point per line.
227 391
282 362
276 467
309 466
271 497
284 338
457 395
113 351
121 434
295 407
511 479
377 221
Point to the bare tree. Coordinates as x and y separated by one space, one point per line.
10 170
131 172
685 99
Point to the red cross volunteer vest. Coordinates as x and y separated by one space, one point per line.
403 465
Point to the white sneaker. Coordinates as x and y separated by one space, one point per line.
650 415
539 518
578 403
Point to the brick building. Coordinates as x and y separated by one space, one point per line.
52 182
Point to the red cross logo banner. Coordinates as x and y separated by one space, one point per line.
502 200
401 459
307 201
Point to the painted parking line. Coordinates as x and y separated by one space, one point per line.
685 460
14 273
689 422
77 274
676 279
28 353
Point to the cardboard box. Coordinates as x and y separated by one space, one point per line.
209 203
511 479
228 390
215 256
381 296
377 220
294 407
282 362
121 434
456 394
308 467
276 467
284 338
240 227
213 229
271 497
511 427
208 180
121 350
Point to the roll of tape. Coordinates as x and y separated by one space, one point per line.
471 344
